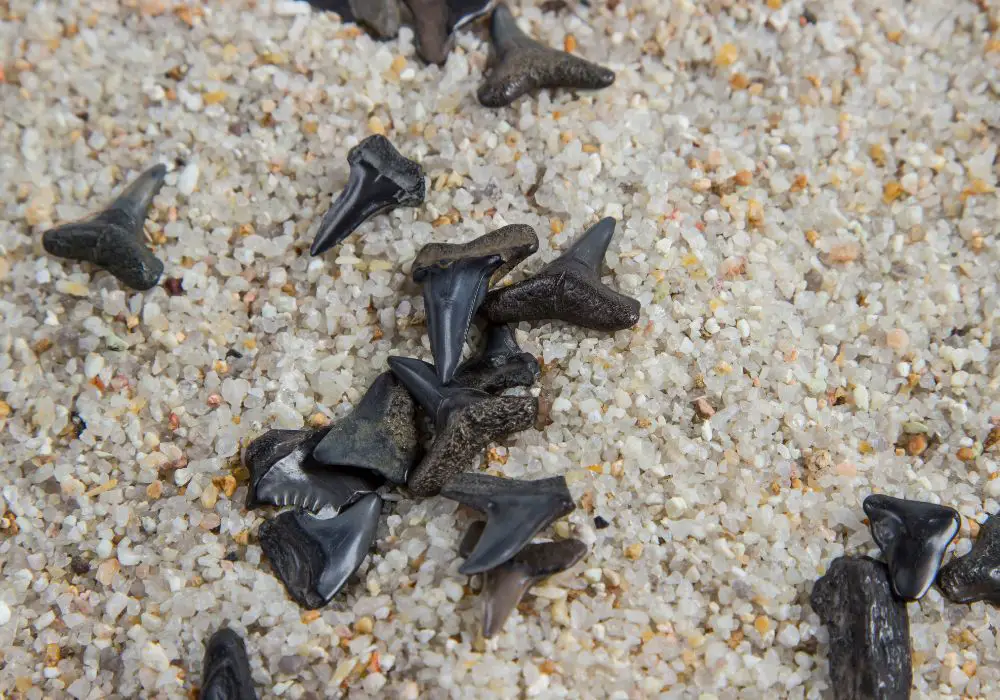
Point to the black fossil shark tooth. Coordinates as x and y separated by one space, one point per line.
380 179
976 575
315 556
465 421
519 64
379 435
226 669
568 289
284 473
913 536
504 586
869 630
515 511
113 239
501 364
455 279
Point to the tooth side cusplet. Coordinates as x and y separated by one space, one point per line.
113 239
380 179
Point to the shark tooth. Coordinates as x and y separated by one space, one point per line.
379 435
380 179
381 16
283 473
976 575
465 420
568 289
869 630
315 556
226 669
113 239
506 585
501 364
435 22
455 278
515 511
519 64
913 537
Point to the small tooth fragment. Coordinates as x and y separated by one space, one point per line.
568 289
380 179
465 420
501 364
283 473
455 278
113 239
869 630
379 435
381 16
519 65
315 556
504 586
226 669
975 576
913 537
515 511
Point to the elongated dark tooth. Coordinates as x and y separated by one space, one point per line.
505 586
501 364
975 576
283 473
380 179
568 289
913 537
869 631
515 511
455 278
379 435
466 421
314 556
113 239
452 295
225 671
519 64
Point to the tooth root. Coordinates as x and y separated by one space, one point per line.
380 179
515 511
452 295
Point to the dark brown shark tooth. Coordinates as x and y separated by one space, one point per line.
380 179
519 64
515 511
381 16
869 630
976 575
226 669
284 473
315 556
465 422
913 536
568 289
505 585
379 435
435 22
501 364
455 278
113 239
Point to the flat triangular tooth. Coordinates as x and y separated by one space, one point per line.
379 435
913 537
137 198
226 671
515 511
503 589
590 248
452 295
380 179
314 557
